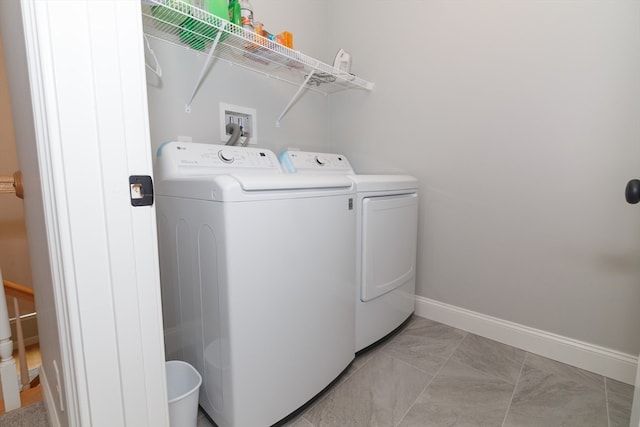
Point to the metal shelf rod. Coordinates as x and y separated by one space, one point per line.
204 69
294 98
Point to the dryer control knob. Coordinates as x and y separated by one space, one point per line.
321 160
226 156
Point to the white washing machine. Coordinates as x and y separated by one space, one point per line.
386 241
257 278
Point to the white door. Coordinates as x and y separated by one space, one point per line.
388 251
78 97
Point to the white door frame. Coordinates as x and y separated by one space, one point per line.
88 88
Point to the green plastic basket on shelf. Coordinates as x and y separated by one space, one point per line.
173 13
192 31
197 33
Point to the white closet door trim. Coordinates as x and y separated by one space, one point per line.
88 77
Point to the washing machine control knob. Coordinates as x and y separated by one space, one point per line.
321 160
226 156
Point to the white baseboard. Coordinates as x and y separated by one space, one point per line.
600 360
49 401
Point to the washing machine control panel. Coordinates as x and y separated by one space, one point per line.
188 159
309 162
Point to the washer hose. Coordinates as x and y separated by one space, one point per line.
234 130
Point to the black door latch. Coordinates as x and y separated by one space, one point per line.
141 190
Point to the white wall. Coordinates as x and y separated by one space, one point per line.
520 119
304 126
14 250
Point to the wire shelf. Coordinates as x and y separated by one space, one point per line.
187 26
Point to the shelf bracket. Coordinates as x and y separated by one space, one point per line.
294 98
205 67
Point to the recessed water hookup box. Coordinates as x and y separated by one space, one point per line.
246 118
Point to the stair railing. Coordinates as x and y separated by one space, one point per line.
12 184
10 289
8 374
20 292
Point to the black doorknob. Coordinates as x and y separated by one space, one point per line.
632 192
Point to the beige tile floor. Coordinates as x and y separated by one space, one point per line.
429 374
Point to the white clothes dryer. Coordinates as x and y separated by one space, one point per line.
386 241
257 278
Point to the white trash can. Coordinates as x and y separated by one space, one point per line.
183 387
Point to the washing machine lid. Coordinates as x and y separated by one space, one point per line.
287 182
227 173
238 187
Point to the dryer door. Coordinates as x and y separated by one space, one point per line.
389 240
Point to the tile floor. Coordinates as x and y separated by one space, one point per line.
430 374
